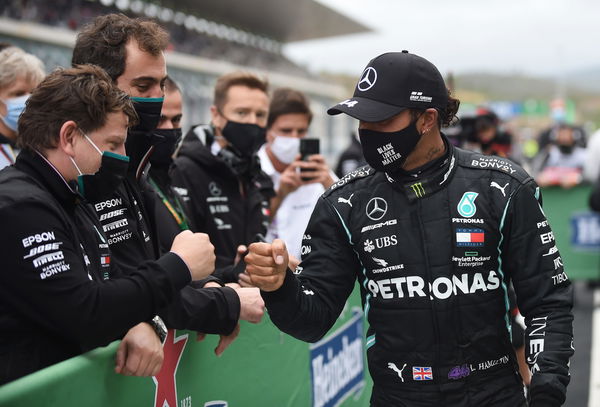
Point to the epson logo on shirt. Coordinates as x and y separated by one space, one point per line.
38 238
108 204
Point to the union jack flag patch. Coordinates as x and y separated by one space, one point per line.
422 373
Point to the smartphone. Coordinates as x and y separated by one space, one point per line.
308 147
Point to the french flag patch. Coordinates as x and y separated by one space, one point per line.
470 237
104 260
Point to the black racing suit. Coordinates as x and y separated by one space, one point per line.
232 209
434 256
59 294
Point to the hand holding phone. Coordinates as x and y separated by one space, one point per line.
308 147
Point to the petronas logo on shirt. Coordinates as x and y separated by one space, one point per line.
418 189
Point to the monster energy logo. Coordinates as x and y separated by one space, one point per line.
418 189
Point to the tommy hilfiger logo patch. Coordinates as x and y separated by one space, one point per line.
470 237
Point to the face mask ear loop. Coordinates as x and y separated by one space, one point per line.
215 128
91 142
75 164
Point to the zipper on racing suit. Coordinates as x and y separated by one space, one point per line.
436 327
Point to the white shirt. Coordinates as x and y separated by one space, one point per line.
295 210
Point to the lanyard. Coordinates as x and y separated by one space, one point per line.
177 213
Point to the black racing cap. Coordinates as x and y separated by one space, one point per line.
391 83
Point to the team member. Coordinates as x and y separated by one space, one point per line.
59 294
20 72
289 118
170 214
218 168
434 234
131 52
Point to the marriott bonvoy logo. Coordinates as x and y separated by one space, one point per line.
418 97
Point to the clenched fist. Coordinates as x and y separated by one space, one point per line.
266 264
196 250
252 306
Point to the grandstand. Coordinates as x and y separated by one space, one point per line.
208 38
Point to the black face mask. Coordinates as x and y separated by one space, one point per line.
165 142
148 111
244 138
102 184
565 149
139 138
387 151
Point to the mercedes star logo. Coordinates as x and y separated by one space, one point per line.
376 208
368 79
214 189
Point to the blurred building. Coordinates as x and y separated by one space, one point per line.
208 38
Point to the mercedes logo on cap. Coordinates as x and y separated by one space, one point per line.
368 79
376 208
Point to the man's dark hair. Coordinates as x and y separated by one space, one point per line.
288 101
236 79
102 42
84 94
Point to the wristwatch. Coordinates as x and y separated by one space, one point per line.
159 327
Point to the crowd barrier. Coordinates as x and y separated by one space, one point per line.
263 367
576 230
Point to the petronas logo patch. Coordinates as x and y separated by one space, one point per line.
466 206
